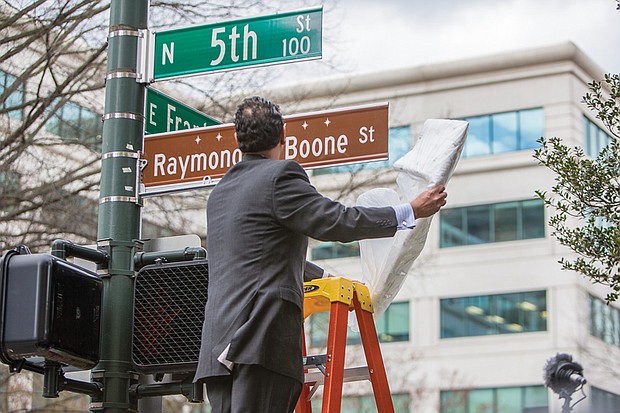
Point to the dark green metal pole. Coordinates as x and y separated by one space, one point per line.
119 209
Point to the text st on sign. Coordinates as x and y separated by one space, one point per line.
199 157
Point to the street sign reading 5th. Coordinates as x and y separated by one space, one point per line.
238 43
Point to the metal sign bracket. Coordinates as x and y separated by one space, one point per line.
145 56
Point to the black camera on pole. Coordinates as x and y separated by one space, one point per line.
49 308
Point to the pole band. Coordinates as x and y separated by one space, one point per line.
123 32
121 75
124 115
118 198
120 154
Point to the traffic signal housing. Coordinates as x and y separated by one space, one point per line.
169 310
49 308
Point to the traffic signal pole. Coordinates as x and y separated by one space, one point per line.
119 217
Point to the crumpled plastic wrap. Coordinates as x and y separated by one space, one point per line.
386 261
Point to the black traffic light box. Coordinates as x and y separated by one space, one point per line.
50 308
169 310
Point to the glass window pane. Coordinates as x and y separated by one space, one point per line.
15 100
595 138
509 400
452 318
592 132
532 127
323 251
492 223
91 127
604 401
367 405
478 310
71 113
401 402
69 122
535 316
505 221
399 143
587 138
478 137
481 401
452 228
329 250
533 219
603 139
351 404
453 401
319 325
504 132
535 396
493 314
478 224
353 337
393 325
596 317
615 325
505 314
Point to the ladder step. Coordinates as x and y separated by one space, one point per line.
315 361
350 374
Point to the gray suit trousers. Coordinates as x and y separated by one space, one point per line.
254 390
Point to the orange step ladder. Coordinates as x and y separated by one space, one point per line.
339 296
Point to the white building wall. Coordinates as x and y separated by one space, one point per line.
556 80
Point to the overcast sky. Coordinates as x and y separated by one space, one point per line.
368 35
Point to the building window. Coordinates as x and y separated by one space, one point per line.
330 250
10 183
74 123
493 314
392 326
481 224
595 139
604 321
15 99
366 403
399 143
504 132
604 401
526 399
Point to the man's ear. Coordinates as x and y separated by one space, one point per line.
236 140
283 135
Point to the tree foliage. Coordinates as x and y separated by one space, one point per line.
586 194
53 67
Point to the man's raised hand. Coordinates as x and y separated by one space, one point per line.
429 201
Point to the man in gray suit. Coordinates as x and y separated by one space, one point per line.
259 218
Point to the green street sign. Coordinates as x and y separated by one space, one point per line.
265 40
164 114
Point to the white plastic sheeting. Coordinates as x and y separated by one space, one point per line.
386 261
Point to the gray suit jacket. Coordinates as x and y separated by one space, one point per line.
258 219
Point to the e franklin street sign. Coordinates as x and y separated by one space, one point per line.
264 40
195 158
165 114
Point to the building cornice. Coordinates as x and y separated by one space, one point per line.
424 74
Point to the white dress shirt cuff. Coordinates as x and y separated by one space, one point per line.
404 216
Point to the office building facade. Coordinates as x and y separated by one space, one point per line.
486 304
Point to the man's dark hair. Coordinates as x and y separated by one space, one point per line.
258 123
